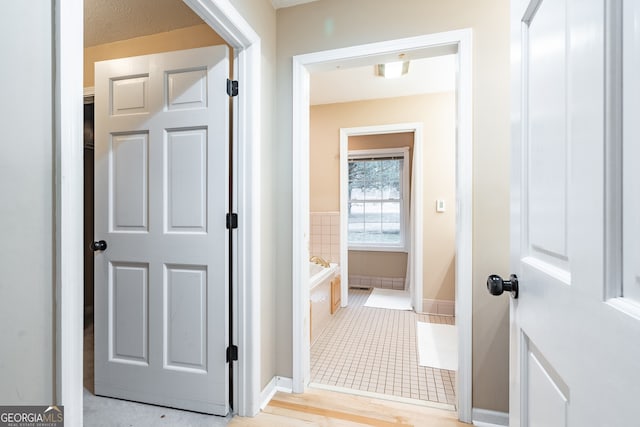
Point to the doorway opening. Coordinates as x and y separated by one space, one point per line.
145 294
70 308
376 343
453 43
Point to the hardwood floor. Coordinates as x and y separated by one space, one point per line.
326 408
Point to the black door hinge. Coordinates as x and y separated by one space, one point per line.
232 353
232 221
232 87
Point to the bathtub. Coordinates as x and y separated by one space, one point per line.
318 273
320 279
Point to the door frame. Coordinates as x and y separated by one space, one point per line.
415 248
222 16
460 40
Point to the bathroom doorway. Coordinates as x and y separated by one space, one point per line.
377 344
305 67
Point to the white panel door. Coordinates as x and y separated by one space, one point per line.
161 191
575 328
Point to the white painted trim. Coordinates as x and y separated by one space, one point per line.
276 384
249 237
487 418
302 64
464 225
284 384
267 393
226 21
614 129
222 16
69 197
416 268
344 216
416 244
300 232
279 4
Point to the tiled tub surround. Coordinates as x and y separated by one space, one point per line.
325 235
376 282
374 350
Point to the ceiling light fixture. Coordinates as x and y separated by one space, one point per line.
392 70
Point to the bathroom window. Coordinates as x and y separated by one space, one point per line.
378 199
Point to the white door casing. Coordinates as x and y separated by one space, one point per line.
459 41
162 184
574 331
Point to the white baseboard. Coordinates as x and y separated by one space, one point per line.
284 384
276 384
267 393
487 418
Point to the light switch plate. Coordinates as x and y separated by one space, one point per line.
440 206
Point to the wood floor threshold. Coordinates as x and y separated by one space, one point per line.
335 414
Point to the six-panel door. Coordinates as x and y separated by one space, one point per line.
575 326
161 301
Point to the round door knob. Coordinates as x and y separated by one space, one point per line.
497 286
100 245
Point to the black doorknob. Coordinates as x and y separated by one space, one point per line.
497 286
100 245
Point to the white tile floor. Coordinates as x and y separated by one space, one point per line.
106 412
374 350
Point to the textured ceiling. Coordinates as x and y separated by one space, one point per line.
107 21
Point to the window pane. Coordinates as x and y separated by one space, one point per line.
356 222
373 192
356 170
372 169
375 201
391 222
372 212
356 191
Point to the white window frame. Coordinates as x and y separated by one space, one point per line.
405 196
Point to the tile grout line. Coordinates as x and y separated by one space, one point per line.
375 350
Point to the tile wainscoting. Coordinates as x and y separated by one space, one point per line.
325 235
376 282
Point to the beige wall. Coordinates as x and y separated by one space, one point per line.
437 114
330 24
183 38
378 264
